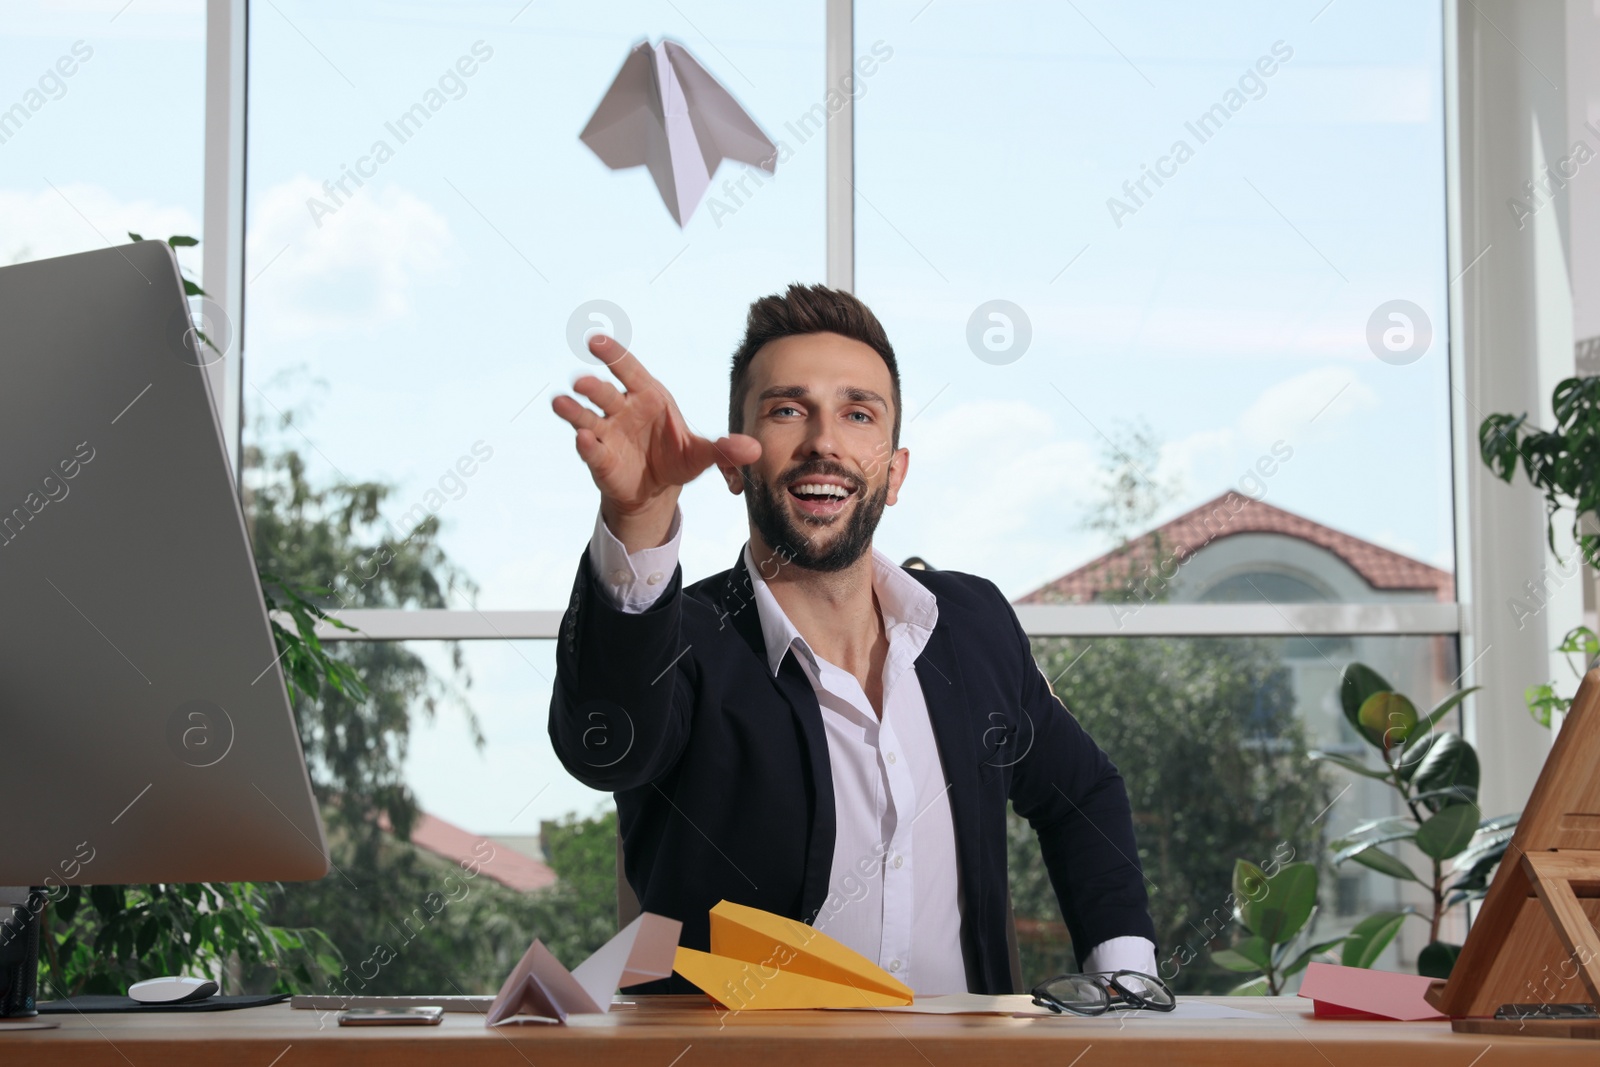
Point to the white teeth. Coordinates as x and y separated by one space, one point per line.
822 488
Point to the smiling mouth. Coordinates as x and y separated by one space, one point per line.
820 498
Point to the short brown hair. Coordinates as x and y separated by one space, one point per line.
807 309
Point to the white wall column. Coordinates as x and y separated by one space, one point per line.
222 239
1511 342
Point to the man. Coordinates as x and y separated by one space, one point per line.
817 732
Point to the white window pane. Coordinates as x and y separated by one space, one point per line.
1226 307
425 311
101 126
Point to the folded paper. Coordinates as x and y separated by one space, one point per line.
1357 992
541 987
665 112
759 960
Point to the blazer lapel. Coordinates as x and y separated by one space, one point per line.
738 610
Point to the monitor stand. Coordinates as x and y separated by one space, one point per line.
19 953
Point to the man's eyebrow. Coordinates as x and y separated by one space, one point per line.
852 393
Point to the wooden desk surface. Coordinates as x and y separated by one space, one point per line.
691 1032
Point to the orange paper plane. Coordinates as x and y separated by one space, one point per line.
759 960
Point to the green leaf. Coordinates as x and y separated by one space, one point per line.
134 237
1450 762
1384 863
1497 444
1279 914
1445 706
1356 685
1378 826
1438 959
1370 937
1409 758
1349 764
1543 703
1249 882
1299 963
1387 719
1348 848
182 242
1581 640
1449 831
1230 960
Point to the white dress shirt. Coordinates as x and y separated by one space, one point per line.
893 894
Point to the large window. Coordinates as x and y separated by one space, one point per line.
1191 259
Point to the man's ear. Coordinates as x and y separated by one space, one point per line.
899 464
733 476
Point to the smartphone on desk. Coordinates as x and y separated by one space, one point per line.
391 1017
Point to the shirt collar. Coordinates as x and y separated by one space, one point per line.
909 611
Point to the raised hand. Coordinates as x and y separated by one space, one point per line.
640 451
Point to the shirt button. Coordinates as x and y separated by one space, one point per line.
890 757
894 965
899 861
620 577
656 578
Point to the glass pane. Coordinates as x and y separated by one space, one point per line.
101 127
504 846
1170 233
424 227
1211 736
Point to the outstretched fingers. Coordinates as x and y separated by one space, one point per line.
624 364
580 417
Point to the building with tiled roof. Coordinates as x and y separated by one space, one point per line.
493 859
1235 548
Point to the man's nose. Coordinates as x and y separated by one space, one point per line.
821 438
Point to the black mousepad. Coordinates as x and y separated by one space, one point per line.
107 1004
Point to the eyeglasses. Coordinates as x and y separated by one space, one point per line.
1095 994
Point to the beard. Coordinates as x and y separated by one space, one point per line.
798 543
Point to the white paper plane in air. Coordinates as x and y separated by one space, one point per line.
666 112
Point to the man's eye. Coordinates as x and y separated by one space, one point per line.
784 408
860 416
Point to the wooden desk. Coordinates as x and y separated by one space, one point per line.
689 1032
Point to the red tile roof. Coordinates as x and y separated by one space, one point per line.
503 863
1234 513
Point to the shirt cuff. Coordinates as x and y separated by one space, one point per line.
1130 953
633 582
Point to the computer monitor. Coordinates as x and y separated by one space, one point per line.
145 730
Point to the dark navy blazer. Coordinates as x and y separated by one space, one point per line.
722 781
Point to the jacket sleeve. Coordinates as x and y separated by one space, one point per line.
1072 795
620 709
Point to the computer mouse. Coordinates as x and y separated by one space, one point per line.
171 990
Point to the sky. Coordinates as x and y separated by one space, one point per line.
426 312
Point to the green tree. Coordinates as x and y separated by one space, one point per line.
1203 732
1204 735
403 920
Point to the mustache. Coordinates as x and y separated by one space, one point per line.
817 468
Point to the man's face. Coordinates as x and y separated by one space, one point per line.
821 407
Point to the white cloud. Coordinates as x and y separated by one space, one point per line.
354 271
80 217
1306 404
994 488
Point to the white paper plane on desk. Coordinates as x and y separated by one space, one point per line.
666 112
541 987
